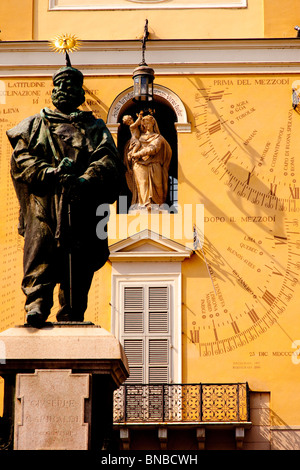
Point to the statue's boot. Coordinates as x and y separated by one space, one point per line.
66 314
36 319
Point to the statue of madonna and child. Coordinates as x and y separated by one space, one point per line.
147 157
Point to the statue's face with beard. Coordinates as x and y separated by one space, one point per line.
67 94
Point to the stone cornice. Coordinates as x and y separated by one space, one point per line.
171 57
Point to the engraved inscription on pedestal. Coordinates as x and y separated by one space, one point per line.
49 411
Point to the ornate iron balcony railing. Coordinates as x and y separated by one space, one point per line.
174 403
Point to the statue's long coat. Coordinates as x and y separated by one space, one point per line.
42 141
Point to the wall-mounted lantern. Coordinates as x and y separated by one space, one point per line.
143 75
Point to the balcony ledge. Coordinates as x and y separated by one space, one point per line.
200 427
186 424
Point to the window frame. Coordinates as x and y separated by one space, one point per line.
148 273
149 339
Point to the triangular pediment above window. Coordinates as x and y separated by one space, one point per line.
148 246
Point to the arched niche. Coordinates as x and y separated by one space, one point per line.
171 117
161 94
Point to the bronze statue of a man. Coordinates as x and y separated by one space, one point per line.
64 164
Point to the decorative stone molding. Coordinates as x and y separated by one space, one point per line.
182 124
148 246
171 57
78 5
239 437
163 438
200 433
125 438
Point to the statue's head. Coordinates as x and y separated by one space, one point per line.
68 92
149 123
127 119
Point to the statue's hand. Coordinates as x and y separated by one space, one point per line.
134 157
66 167
62 172
67 181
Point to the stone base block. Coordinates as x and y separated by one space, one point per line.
59 384
50 410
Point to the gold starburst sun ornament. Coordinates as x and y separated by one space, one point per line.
65 43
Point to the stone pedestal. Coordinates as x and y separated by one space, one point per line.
59 384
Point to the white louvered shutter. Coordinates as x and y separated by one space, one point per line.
134 325
158 348
146 332
134 310
134 350
158 309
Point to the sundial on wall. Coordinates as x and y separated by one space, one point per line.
247 135
246 132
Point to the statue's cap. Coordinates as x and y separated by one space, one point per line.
68 71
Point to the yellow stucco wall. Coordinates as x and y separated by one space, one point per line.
240 295
16 20
37 20
240 319
163 23
282 25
